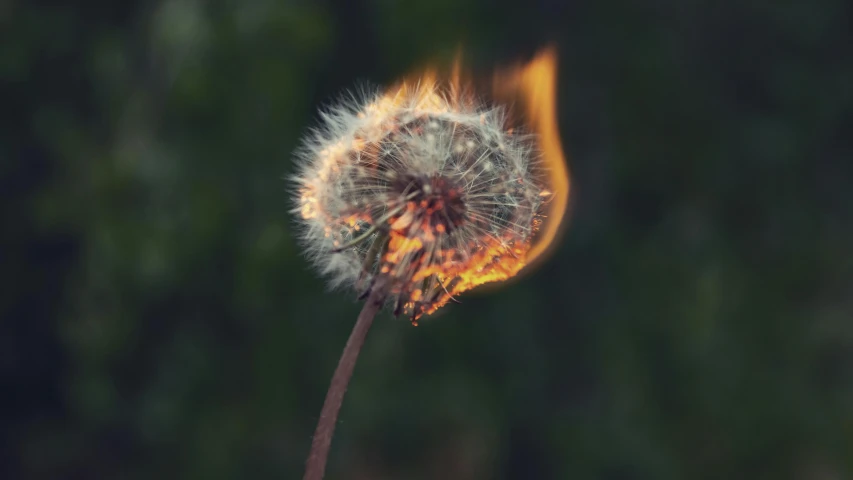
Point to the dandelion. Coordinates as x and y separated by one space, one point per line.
422 196
413 196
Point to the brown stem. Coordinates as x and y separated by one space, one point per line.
316 464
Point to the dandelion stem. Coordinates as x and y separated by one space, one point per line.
316 463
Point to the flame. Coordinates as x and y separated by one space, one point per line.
534 86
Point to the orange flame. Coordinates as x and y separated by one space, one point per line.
534 86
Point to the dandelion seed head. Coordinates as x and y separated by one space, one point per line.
423 186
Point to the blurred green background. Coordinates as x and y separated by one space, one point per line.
158 321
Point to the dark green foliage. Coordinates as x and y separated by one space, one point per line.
159 322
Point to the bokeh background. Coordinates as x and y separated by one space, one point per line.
696 321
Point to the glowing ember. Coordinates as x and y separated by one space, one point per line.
430 191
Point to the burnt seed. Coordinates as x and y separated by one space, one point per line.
439 199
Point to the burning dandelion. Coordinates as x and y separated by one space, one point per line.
423 192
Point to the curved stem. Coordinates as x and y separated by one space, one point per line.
316 464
